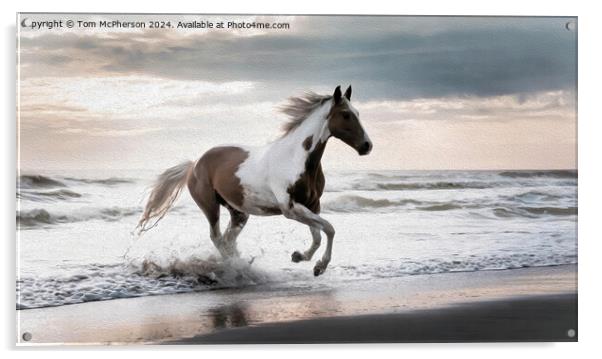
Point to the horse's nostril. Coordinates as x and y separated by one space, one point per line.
365 148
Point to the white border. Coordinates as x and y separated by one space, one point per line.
589 170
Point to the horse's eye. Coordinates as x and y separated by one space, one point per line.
346 115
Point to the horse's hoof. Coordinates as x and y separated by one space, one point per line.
296 257
319 269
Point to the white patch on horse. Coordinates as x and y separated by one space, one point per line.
270 170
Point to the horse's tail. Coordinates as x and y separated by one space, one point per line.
165 191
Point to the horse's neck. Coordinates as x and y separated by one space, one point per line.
313 131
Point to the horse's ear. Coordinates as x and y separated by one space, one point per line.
348 93
337 95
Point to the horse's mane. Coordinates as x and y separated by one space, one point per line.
299 108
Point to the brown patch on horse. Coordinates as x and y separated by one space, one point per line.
203 195
271 210
308 142
217 168
308 189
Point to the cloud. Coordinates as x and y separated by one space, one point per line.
433 92
551 105
390 57
103 132
121 98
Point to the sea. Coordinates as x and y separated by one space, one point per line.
76 241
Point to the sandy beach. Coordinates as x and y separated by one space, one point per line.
528 304
538 318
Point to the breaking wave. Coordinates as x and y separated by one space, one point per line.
534 212
441 207
97 282
514 208
60 194
470 264
353 203
422 181
38 181
107 181
40 217
534 196
531 174
431 185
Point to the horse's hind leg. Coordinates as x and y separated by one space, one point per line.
237 223
315 244
205 198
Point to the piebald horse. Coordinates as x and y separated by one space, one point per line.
284 177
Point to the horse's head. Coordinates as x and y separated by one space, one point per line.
344 123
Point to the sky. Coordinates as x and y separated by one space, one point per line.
432 92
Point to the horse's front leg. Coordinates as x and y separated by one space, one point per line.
315 244
321 265
302 214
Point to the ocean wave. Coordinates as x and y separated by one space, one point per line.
400 186
35 217
505 209
474 264
61 194
386 176
106 181
38 181
533 212
40 217
553 211
441 207
353 203
534 196
98 282
450 181
548 173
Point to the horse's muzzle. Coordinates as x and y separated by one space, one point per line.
365 148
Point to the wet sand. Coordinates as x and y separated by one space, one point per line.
529 304
542 318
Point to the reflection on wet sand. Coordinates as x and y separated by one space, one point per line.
245 313
229 316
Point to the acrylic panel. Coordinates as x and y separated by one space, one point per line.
224 179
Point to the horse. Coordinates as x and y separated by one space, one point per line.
282 178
